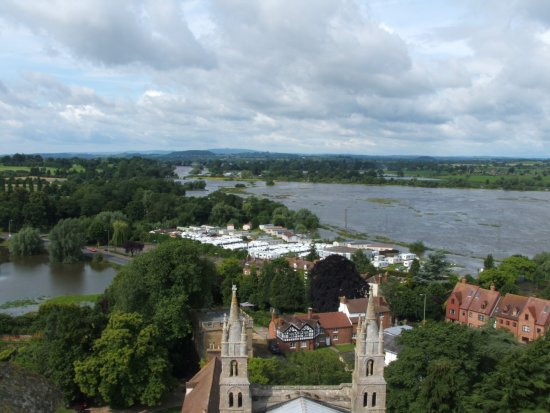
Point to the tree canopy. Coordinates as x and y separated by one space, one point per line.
66 241
26 242
333 277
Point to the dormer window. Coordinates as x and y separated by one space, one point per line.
515 311
484 305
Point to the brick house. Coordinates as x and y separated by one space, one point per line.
309 331
295 332
336 326
470 304
508 311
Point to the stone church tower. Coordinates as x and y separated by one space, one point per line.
234 384
368 394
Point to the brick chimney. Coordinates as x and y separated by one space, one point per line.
492 287
272 314
343 299
463 280
309 313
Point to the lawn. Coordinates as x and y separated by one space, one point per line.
14 168
73 299
345 348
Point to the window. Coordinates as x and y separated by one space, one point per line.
303 344
335 337
335 331
293 344
233 368
370 367
230 399
365 399
451 312
526 329
514 324
353 336
507 323
527 316
538 330
481 317
240 400
469 314
501 321
373 404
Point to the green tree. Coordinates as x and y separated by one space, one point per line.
66 241
319 367
435 268
362 263
120 232
67 333
489 262
230 270
287 291
417 248
163 285
437 355
128 364
312 255
26 242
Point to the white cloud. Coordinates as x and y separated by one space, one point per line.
306 76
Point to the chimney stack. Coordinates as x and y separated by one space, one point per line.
309 313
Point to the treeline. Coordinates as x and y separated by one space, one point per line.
422 172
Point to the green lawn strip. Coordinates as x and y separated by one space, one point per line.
19 303
345 348
14 168
73 299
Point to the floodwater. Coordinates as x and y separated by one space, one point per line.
467 223
32 277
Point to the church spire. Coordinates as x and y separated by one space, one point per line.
234 311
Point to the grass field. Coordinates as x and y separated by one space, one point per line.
14 168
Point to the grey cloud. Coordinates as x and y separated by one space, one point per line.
115 33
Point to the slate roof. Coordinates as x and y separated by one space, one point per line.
204 395
284 322
390 338
305 405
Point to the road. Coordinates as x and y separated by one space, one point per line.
109 256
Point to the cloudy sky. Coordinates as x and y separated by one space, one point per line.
445 77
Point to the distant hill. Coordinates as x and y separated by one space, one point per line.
231 151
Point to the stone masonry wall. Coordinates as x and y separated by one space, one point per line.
264 397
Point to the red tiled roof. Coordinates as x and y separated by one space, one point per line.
540 309
484 301
510 306
205 393
464 293
333 319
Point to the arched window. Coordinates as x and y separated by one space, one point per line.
234 369
373 404
230 399
365 399
370 367
240 400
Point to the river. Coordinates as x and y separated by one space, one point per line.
468 223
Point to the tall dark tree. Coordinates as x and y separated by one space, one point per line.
333 277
